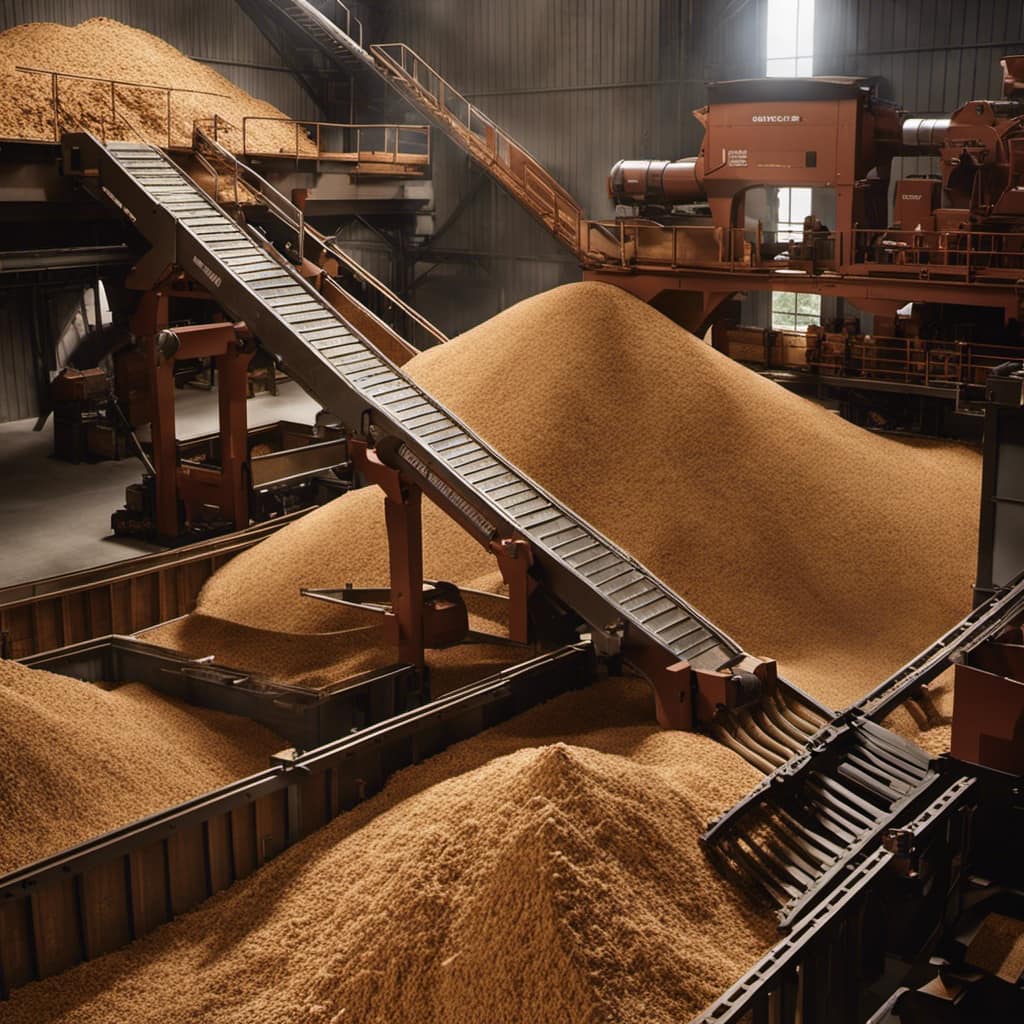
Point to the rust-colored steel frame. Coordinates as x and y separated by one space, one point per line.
414 626
226 487
709 289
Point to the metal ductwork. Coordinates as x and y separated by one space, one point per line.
655 182
925 132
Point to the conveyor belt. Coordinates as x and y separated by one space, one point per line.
811 817
411 430
797 837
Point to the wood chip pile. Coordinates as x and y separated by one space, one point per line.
79 760
839 552
549 870
106 49
317 661
546 871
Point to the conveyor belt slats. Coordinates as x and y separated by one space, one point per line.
337 365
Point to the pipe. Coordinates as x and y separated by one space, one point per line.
925 132
655 182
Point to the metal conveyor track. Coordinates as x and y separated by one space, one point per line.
411 430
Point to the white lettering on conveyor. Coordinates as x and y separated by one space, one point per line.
213 278
776 118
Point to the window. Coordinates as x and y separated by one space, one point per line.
790 52
794 206
790 47
793 311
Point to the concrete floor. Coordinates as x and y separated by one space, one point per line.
55 515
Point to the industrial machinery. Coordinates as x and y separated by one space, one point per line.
401 440
873 853
952 247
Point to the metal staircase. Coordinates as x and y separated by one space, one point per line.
323 23
512 166
521 174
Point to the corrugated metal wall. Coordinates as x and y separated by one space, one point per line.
932 55
213 31
581 84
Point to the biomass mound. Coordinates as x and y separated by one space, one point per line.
106 49
319 661
927 719
79 760
513 878
839 552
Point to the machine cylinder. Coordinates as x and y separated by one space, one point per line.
655 182
925 132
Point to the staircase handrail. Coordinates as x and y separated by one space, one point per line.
498 148
358 270
350 19
241 172
293 216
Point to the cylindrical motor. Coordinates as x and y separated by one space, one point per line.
655 182
925 132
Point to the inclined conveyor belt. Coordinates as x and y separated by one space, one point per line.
411 430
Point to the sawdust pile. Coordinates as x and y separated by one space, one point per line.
106 49
79 761
545 871
839 552
319 661
927 719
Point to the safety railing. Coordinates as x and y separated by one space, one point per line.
966 255
243 182
332 141
340 14
159 113
512 165
951 253
628 243
220 161
913 361
358 271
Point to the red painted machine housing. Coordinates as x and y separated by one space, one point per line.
778 132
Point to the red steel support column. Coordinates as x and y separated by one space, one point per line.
403 516
232 392
514 559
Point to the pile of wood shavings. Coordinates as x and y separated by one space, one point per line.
79 761
106 49
545 871
549 870
839 552
319 661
